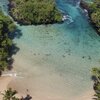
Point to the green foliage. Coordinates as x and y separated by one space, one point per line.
96 78
10 95
6 27
35 11
95 14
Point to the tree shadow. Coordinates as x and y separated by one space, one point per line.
28 97
96 86
16 34
13 49
93 78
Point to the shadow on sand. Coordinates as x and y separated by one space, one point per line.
28 97
13 49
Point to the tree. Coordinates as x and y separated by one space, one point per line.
35 11
95 14
10 95
96 78
96 74
6 27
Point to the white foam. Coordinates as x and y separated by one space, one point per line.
12 75
69 19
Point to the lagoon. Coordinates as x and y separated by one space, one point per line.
54 61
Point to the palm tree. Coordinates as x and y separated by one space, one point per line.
10 95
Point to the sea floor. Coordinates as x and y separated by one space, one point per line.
54 62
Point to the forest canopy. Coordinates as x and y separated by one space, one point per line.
6 27
35 11
95 14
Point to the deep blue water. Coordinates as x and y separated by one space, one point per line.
57 59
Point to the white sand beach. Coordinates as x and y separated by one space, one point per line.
56 61
4 81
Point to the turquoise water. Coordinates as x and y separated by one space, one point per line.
3 5
55 61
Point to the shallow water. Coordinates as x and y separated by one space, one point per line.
56 60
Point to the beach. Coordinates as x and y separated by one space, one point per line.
48 84
54 62
8 82
4 82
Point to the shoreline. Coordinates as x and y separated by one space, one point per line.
7 81
84 96
87 95
4 82
85 6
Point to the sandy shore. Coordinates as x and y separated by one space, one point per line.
86 96
4 81
4 84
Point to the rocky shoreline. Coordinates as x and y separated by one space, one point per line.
84 5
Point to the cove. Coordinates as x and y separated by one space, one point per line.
54 61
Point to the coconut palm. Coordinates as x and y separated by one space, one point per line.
10 94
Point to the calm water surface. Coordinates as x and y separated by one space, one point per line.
55 61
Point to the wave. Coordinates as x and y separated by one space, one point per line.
69 19
12 75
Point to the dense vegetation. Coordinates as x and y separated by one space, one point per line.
11 95
6 27
96 79
34 11
95 14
